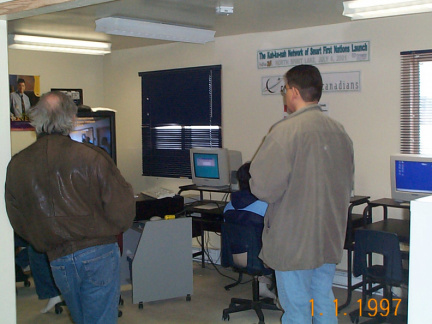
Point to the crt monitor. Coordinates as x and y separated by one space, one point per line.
96 126
411 176
211 167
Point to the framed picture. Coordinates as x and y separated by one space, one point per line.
75 94
24 93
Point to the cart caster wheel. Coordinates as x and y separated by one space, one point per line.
226 317
120 313
58 309
27 283
140 305
188 298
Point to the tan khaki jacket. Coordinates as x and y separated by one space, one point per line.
304 170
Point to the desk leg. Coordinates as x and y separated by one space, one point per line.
202 245
201 229
349 285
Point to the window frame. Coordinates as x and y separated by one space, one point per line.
411 116
181 108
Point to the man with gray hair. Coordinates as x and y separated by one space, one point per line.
68 199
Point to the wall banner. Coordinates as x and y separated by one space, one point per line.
314 54
332 82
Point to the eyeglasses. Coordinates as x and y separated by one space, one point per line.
283 90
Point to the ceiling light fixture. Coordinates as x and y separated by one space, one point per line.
225 10
146 29
51 44
365 9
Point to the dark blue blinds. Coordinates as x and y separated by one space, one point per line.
181 108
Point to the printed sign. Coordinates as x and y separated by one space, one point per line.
314 54
332 82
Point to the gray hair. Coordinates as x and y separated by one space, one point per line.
54 113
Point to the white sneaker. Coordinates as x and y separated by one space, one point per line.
51 303
265 292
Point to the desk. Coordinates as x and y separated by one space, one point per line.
210 219
385 203
399 226
147 206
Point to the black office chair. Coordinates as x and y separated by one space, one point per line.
384 275
238 239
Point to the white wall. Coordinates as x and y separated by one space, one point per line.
7 277
371 117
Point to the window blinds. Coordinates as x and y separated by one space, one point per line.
416 102
181 108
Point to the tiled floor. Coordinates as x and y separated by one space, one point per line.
208 301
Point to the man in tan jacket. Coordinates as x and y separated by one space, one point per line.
304 171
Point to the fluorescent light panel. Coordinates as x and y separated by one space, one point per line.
51 44
146 29
364 9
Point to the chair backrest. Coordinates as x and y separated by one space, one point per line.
384 243
239 238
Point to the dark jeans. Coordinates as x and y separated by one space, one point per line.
40 269
42 275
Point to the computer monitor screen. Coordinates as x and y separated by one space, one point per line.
411 176
213 167
206 165
98 128
210 166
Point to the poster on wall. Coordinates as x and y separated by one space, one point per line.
24 93
332 82
314 54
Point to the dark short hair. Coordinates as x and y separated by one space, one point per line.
20 81
307 79
243 176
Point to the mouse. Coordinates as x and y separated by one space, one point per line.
154 218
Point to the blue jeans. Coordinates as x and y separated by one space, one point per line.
300 290
42 276
40 269
89 281
22 258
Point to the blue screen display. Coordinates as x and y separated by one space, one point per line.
413 176
206 165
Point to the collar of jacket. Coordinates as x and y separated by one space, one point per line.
300 111
53 133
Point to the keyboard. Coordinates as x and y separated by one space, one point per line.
158 193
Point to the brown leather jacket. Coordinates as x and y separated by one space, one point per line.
63 196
